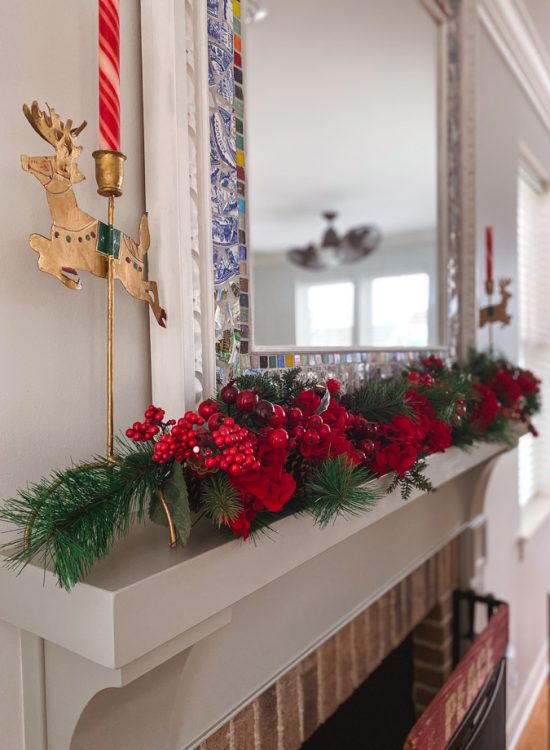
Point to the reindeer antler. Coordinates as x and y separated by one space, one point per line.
50 127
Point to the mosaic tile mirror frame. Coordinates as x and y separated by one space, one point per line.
234 348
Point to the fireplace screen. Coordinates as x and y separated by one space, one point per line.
484 727
469 712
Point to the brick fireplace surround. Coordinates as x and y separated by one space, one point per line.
291 710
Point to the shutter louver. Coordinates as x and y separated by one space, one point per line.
534 324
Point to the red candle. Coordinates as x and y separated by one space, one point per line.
489 254
109 75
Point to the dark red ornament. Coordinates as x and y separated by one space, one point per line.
264 410
229 393
246 400
215 421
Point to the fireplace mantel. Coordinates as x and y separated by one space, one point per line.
145 603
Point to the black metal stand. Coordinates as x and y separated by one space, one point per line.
465 604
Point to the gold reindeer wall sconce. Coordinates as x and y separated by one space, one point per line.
80 242
496 313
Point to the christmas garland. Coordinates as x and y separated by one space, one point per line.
269 446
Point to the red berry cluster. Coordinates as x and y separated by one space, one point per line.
311 430
417 378
182 441
236 445
143 431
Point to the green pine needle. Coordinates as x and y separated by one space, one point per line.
72 519
444 395
278 387
337 487
411 480
220 499
380 400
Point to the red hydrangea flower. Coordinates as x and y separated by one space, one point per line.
397 457
335 416
270 484
486 409
240 525
333 385
308 401
506 387
402 429
528 383
439 436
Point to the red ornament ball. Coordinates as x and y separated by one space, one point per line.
208 407
246 400
295 415
264 410
315 422
279 416
311 437
215 421
229 393
278 438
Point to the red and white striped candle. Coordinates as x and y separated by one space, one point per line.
109 75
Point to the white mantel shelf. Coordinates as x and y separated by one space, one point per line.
145 603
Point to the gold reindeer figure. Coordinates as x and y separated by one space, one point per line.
78 242
497 313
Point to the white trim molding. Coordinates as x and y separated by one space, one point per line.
176 142
468 196
512 29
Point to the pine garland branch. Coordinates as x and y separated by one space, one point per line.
338 487
279 387
411 480
444 395
72 519
220 499
380 400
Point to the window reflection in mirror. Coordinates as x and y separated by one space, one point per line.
341 115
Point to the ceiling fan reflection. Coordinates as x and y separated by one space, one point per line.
336 250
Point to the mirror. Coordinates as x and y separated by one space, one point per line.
341 124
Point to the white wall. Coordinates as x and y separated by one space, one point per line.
52 395
506 118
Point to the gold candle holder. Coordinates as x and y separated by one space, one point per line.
109 172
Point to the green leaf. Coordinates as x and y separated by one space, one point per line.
177 500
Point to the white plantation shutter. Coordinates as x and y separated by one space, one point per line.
534 323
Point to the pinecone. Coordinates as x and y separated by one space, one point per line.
193 483
299 468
